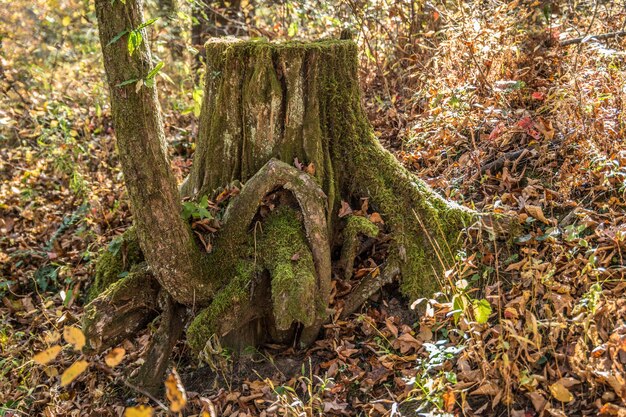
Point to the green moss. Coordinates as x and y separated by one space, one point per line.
285 253
207 322
356 225
118 258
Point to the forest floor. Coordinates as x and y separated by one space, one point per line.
486 105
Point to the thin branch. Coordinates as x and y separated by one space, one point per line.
600 37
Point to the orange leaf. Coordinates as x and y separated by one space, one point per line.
73 371
561 393
47 355
74 336
537 213
175 392
139 411
375 218
114 357
449 399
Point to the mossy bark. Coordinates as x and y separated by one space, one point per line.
165 239
302 101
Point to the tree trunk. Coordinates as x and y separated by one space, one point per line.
164 237
268 107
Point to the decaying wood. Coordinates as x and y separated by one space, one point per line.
170 329
122 310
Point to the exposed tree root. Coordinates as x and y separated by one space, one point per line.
123 309
171 327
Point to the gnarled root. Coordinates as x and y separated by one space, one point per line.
124 308
172 323
292 247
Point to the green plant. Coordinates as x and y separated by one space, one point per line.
197 210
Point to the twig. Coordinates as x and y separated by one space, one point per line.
117 378
368 287
600 37
499 163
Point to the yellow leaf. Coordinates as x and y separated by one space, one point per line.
66 21
73 371
114 357
175 392
561 393
47 355
139 411
74 336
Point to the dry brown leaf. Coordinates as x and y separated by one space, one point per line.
175 392
345 209
139 411
73 371
406 342
47 355
488 388
114 357
74 336
537 213
449 400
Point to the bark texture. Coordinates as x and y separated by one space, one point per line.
165 239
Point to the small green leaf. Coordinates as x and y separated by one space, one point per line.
131 81
146 24
134 41
117 37
482 310
155 70
204 213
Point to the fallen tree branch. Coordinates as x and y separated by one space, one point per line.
499 163
599 37
367 287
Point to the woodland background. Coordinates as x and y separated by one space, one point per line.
485 100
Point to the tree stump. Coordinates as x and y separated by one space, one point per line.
268 107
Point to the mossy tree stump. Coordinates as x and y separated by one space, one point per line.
269 275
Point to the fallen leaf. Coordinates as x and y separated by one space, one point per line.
139 411
376 218
449 400
538 95
74 336
406 342
175 392
114 357
537 213
488 388
561 393
344 210
47 355
73 371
